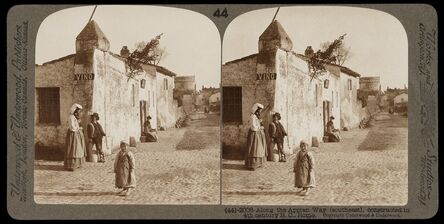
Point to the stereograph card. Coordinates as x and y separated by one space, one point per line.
222 111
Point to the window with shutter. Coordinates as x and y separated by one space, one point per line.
48 105
232 104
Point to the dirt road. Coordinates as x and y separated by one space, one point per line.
368 168
182 168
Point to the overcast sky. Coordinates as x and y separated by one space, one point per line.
378 40
192 41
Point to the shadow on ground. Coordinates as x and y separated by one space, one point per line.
385 134
50 167
194 139
233 167
48 153
202 133
265 193
74 193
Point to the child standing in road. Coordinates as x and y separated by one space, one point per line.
303 169
124 166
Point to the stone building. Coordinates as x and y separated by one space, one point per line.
205 93
98 80
384 103
369 83
369 86
280 79
401 102
168 110
352 110
185 92
214 101
391 93
401 98
185 83
198 101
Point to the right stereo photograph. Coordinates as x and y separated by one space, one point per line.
314 108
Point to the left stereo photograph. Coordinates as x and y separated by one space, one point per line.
127 107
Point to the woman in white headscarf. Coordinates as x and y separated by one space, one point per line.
75 150
256 143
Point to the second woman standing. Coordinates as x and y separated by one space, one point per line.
256 142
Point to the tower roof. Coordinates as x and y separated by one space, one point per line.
274 31
91 31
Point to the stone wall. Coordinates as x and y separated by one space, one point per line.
349 99
110 94
401 98
332 92
294 94
198 100
242 73
150 93
117 99
185 83
372 106
359 111
299 99
187 103
370 83
214 98
60 73
166 107
295 100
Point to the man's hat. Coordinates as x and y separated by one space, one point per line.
331 117
303 142
124 142
96 115
278 115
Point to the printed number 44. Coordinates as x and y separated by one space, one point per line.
224 13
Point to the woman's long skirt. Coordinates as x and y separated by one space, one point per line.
75 150
256 149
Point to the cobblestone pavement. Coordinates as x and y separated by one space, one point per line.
182 168
368 168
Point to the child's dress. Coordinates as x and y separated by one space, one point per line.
304 170
124 169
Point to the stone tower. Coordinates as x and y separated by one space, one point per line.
273 38
89 39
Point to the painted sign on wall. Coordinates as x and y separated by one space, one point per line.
266 76
84 76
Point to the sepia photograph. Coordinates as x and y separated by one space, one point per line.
127 107
314 108
222 111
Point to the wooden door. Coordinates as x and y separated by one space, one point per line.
326 108
143 114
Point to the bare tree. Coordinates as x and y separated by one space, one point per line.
145 53
161 53
321 57
342 53
157 54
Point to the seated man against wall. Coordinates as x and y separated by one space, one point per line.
149 133
332 133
